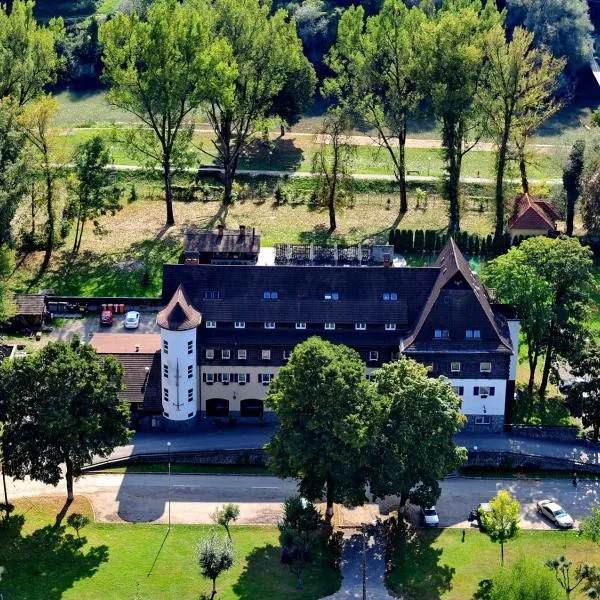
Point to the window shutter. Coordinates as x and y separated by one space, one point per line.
476 390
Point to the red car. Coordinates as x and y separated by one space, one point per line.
106 318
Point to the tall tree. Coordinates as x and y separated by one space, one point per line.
517 77
565 268
28 57
572 180
417 416
324 405
265 57
215 556
331 162
161 70
375 66
562 26
35 119
501 522
94 191
450 61
60 406
590 198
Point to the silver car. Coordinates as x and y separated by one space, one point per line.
132 319
430 517
555 513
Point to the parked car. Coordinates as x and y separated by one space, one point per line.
475 514
430 517
106 318
555 513
132 319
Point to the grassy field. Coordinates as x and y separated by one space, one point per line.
437 564
45 561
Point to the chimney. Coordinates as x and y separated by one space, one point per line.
137 347
242 230
220 228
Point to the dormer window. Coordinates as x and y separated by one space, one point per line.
390 326
225 354
270 295
209 353
211 324
212 295
441 334
332 296
390 296
330 326
239 324
473 334
269 324
360 326
265 354
300 325
373 355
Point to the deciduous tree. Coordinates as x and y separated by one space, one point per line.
501 522
215 556
77 521
265 58
572 180
376 75
7 265
325 406
584 395
226 515
417 418
517 78
331 162
161 69
60 406
94 190
28 57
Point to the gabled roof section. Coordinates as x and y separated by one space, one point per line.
531 213
179 314
453 267
223 240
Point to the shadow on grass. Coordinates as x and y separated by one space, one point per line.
529 409
416 570
280 154
136 271
265 577
44 563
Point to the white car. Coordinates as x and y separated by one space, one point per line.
555 513
430 517
132 319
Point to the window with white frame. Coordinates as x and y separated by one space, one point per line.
190 371
190 394
441 334
242 354
473 334
390 296
190 347
484 390
165 347
390 326
269 324
225 378
330 326
166 394
459 390
373 355
239 324
332 296
209 353
482 420
165 370
243 378
209 378
212 295
287 354
265 354
265 378
360 326
455 367
485 367
270 295
211 324
300 325
225 354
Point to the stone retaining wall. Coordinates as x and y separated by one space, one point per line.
556 434
516 460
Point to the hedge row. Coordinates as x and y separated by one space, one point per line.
430 240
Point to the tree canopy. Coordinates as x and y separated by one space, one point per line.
573 180
60 406
501 522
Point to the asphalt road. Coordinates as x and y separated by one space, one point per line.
144 498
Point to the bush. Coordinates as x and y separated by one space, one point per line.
133 196
29 241
596 118
77 521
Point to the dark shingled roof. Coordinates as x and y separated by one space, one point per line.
141 385
301 292
227 241
178 314
30 304
531 213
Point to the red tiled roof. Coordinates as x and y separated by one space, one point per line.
125 343
179 314
533 214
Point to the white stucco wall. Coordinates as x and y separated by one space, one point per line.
178 407
473 405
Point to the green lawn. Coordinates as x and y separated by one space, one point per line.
127 561
437 564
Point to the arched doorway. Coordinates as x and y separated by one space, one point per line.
217 407
251 408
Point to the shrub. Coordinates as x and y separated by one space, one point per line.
77 521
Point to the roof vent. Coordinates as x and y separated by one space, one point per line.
137 347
